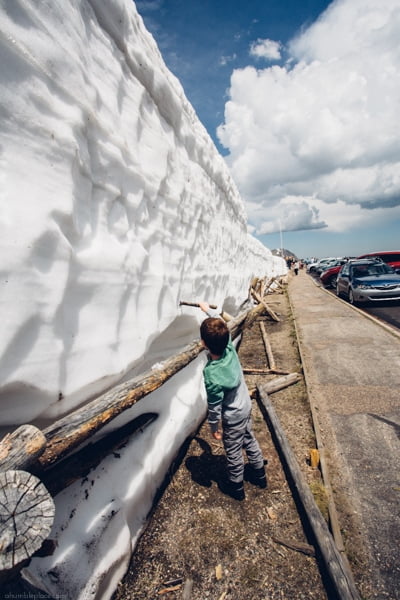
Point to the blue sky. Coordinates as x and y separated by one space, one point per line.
302 99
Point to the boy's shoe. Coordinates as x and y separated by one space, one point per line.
257 477
233 489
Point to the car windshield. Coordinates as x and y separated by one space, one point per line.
371 270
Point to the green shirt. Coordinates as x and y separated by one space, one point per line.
227 394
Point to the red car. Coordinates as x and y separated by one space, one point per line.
391 258
329 276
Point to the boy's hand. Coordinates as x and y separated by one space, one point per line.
204 306
217 435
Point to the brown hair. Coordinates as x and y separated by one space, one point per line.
215 334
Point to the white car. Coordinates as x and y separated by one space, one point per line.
313 266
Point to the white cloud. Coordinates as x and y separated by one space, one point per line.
321 134
267 49
224 60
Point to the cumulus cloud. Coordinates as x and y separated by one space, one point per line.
267 49
322 131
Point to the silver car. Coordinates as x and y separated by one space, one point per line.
368 280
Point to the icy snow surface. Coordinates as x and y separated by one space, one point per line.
114 206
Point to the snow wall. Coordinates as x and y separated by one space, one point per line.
115 205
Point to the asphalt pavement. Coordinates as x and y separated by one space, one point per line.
352 367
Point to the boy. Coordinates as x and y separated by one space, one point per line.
229 401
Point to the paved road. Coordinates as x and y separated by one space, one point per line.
385 311
352 368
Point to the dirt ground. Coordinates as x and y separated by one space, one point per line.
202 544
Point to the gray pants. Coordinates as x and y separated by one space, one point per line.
236 438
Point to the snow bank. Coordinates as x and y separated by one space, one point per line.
114 205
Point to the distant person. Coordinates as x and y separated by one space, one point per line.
296 267
229 405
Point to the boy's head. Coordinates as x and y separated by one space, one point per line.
215 335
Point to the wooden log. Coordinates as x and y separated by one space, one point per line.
79 464
274 385
264 372
226 316
253 315
68 433
267 345
263 286
21 448
279 383
267 308
337 569
195 304
65 435
26 517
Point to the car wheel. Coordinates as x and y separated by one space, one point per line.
333 281
351 297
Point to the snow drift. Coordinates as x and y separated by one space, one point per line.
115 205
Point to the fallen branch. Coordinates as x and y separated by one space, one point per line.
297 546
195 304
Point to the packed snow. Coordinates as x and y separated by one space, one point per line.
115 205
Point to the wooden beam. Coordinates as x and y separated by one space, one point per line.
337 569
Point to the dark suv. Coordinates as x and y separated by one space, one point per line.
368 280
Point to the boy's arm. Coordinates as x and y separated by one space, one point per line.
211 312
215 396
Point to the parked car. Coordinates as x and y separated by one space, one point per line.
323 266
313 266
328 276
368 280
390 258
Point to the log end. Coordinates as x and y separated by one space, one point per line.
26 517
